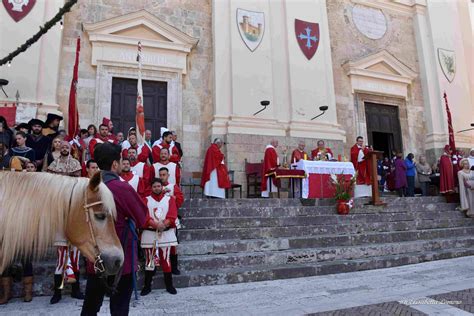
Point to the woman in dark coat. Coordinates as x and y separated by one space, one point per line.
400 175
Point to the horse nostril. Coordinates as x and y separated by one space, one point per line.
117 263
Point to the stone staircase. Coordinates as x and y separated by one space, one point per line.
250 240
246 240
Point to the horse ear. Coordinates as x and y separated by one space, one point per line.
95 181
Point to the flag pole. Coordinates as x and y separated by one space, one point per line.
140 110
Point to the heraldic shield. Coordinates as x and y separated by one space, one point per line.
18 9
307 35
447 62
251 25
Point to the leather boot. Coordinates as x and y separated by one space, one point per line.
28 286
58 279
76 288
147 284
174 265
169 283
7 290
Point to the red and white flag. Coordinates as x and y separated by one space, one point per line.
140 113
73 115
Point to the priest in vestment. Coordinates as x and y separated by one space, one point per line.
362 167
299 153
446 173
215 178
270 163
322 152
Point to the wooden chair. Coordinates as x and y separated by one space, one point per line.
233 185
192 183
253 172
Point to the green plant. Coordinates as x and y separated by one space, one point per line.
343 187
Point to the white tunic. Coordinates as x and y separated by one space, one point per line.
158 211
134 181
138 169
171 166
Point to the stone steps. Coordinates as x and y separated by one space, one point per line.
244 240
285 271
311 252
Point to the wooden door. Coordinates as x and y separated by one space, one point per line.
383 120
124 96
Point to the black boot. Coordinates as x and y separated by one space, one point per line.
147 286
58 279
76 288
169 283
174 265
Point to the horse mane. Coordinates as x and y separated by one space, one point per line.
34 206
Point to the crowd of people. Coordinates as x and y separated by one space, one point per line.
152 170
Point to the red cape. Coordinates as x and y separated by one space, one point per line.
314 153
363 167
270 163
446 175
213 160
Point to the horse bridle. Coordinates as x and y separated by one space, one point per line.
98 262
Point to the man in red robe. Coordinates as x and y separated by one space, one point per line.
142 150
446 173
136 182
270 163
299 153
215 178
361 165
166 142
322 152
102 138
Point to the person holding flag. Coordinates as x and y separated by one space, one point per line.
140 112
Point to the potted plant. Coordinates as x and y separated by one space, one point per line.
343 189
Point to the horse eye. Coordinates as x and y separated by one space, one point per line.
100 216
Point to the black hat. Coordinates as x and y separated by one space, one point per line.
24 125
51 117
35 122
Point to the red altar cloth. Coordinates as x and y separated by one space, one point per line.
320 186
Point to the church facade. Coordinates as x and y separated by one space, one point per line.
380 67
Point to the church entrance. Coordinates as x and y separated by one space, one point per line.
124 96
383 128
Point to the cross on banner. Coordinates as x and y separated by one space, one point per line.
307 36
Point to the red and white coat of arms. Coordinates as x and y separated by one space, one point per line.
18 9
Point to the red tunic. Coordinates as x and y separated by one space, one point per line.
298 155
446 175
174 154
142 189
213 160
314 153
143 152
147 172
98 140
270 163
363 167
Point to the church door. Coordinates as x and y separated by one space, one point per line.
383 128
124 96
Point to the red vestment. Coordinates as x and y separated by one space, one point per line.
270 163
174 152
214 160
446 175
361 167
315 152
298 155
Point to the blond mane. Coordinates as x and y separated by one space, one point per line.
34 206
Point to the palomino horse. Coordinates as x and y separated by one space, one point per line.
34 206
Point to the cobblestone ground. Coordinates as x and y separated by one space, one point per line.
407 290
386 309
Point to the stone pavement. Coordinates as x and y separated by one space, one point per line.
406 290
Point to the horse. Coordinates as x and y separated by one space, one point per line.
34 206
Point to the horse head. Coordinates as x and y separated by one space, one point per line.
90 226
